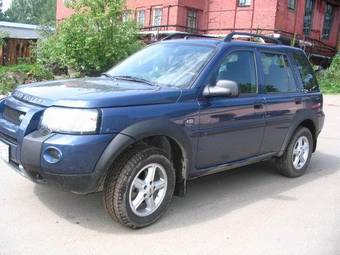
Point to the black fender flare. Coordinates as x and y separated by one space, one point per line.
298 120
138 131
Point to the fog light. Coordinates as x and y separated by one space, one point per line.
52 155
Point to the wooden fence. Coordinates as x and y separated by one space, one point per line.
14 50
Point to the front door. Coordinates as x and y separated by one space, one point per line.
232 129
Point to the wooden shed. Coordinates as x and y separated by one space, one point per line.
18 41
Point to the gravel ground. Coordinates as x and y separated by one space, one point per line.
251 210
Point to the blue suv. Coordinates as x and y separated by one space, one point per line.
174 111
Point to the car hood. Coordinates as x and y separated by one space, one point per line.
95 92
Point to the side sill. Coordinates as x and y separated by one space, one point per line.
231 165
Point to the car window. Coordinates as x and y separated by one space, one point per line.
306 72
239 66
166 64
278 75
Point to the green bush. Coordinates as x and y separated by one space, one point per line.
329 79
92 40
14 75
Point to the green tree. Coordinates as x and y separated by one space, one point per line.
3 35
4 17
32 12
330 79
93 39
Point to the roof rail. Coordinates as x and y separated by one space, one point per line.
230 36
184 36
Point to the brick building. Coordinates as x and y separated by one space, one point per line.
314 22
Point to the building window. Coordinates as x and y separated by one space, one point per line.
157 16
244 2
126 16
192 20
307 21
291 4
141 18
327 23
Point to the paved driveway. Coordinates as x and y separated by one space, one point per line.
249 211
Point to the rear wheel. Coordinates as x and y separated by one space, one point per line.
296 158
140 187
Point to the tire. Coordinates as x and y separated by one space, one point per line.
286 165
123 191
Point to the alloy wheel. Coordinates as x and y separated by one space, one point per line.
148 190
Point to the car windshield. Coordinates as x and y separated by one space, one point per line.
164 64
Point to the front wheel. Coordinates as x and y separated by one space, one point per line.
297 156
140 187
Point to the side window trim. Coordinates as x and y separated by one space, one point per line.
275 52
230 51
297 74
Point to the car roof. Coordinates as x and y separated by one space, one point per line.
238 43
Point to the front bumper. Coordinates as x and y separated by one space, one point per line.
74 171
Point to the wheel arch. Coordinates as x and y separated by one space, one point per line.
308 123
159 133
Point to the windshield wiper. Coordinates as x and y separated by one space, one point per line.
108 76
132 78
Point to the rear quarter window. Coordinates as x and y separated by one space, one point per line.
309 81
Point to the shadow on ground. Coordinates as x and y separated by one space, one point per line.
208 198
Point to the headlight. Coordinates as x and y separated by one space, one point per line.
68 120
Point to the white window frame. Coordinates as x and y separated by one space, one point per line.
154 17
243 3
141 18
291 4
126 15
192 20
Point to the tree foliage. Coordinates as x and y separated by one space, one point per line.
31 12
93 39
330 79
3 35
14 75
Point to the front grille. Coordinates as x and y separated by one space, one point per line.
8 139
13 116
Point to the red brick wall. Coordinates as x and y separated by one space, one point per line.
62 11
221 16
292 20
174 11
226 14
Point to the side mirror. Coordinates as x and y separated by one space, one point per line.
223 88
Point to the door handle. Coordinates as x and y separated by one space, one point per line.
298 100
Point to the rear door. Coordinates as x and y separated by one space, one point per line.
232 128
281 93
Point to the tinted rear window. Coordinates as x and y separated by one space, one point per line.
306 71
278 76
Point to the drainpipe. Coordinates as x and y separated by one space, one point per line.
167 22
252 16
234 25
